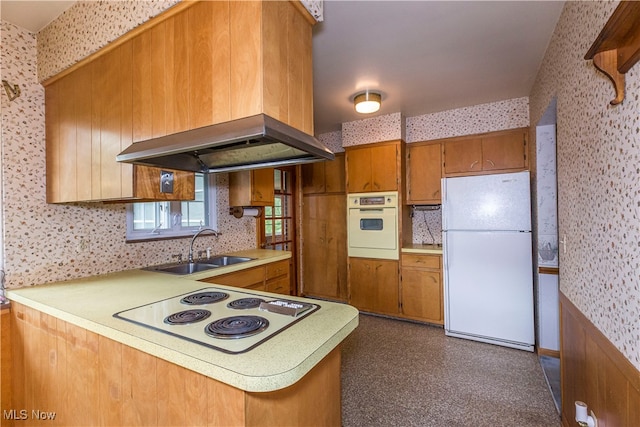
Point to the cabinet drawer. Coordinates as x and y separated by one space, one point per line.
423 261
278 268
249 278
279 286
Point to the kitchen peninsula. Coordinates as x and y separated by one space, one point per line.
73 357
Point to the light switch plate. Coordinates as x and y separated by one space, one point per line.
166 182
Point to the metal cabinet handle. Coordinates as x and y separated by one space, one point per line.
491 162
473 164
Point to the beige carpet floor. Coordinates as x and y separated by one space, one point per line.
397 373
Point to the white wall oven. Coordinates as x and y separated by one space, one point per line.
372 220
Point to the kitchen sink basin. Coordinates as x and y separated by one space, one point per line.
221 261
198 266
186 268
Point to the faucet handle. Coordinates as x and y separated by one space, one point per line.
178 257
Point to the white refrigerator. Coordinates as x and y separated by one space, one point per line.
487 249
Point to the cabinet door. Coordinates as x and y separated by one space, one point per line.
462 156
422 294
262 190
251 188
504 151
324 248
424 171
359 170
334 174
280 285
384 168
373 285
250 278
313 178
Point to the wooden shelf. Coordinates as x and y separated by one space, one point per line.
617 47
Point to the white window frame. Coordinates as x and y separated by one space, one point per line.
176 230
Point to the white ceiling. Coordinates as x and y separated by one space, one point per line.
423 56
32 15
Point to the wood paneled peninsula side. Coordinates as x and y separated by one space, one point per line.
72 357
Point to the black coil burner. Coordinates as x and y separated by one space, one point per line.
204 298
187 317
236 327
245 303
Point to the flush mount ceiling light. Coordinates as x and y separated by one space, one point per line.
367 102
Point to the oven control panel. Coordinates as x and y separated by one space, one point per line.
373 200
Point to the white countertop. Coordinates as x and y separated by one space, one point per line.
276 363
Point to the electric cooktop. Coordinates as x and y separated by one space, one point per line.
231 321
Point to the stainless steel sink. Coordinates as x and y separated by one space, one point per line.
186 268
223 260
198 266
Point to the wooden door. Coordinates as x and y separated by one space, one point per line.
359 170
504 151
462 156
424 172
373 285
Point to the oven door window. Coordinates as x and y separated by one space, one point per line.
370 224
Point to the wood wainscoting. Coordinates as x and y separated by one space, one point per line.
596 372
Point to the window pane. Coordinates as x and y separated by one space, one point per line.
268 211
268 227
277 182
194 214
151 216
278 206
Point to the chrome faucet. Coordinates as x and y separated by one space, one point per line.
193 239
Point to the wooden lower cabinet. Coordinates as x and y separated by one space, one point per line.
421 288
79 378
278 277
273 277
324 248
374 285
5 361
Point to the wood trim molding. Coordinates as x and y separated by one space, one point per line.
603 342
547 352
549 270
594 371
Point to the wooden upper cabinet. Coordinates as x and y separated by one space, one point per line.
373 167
196 64
89 120
495 152
424 173
505 151
252 188
324 177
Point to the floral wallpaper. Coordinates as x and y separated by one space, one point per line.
45 243
598 193
387 127
508 114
